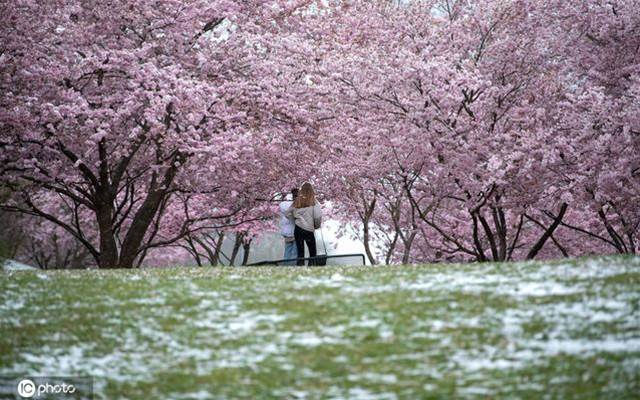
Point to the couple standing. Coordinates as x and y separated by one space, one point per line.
298 221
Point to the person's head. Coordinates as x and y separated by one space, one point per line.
306 196
294 193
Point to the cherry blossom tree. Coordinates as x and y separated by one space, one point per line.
463 105
600 118
443 130
143 114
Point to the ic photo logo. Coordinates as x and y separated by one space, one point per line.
28 389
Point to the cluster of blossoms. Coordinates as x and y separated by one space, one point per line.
443 130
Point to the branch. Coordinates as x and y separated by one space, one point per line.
540 243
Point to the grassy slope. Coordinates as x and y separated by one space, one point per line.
569 330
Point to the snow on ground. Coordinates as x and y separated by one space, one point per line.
13 265
379 333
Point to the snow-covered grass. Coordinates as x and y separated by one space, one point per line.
12 265
567 329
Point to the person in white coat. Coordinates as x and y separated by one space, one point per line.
307 215
287 227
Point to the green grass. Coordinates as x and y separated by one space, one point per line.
566 329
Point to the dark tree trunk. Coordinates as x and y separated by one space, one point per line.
246 247
218 248
619 242
547 234
476 240
108 247
144 217
407 248
489 235
141 222
236 248
392 247
501 232
366 233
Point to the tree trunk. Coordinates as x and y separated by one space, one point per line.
476 240
407 248
489 235
547 234
619 243
139 226
145 215
366 233
193 250
218 243
246 247
501 232
108 247
236 248
367 245
391 248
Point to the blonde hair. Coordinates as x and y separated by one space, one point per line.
306 196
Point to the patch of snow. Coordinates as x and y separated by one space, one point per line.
385 332
341 359
358 393
475 364
13 265
199 395
13 304
585 347
337 277
334 330
374 377
151 301
537 289
309 282
236 325
475 391
366 323
310 339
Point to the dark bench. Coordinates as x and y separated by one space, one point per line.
319 260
